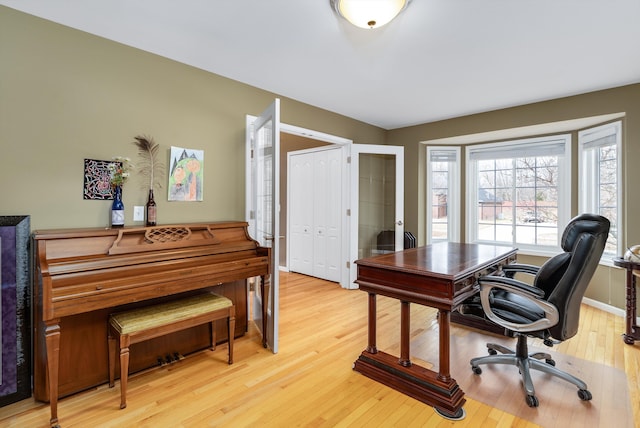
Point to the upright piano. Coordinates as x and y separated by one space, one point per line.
82 275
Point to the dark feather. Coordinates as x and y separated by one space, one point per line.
150 166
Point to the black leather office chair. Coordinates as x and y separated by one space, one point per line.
550 309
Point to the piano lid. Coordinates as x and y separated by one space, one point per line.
132 245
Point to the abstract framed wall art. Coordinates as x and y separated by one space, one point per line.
186 175
96 179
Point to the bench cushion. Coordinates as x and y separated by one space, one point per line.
153 316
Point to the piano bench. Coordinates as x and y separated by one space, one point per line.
148 322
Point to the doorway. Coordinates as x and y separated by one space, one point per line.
299 140
292 138
314 214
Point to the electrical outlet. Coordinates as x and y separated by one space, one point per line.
138 213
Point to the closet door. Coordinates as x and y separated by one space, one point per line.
315 206
301 213
327 221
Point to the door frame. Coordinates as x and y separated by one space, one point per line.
350 153
344 144
343 207
356 151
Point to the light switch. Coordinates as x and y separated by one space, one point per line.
138 213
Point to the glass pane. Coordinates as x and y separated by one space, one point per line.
377 204
486 231
440 179
264 220
520 196
504 233
439 207
504 175
525 234
607 195
546 235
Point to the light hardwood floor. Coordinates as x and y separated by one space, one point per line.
310 382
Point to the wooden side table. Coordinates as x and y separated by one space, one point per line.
633 271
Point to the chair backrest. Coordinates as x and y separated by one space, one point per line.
565 277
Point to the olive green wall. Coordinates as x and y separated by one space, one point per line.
608 285
66 95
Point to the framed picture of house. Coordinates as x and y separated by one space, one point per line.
186 175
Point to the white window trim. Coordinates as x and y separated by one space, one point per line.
585 196
564 200
453 199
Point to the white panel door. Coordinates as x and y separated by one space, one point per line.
262 200
319 190
315 201
333 215
300 214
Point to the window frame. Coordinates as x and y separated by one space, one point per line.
589 183
453 194
518 148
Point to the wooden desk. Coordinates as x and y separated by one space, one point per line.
633 269
440 276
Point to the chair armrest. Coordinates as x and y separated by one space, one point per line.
524 290
512 285
511 269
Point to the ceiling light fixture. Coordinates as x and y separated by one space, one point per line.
369 13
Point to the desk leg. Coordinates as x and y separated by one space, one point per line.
631 334
52 342
405 326
264 292
444 323
371 347
436 389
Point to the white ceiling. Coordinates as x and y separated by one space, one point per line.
439 59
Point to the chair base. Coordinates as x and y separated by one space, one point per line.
526 362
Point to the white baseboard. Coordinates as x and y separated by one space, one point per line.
607 308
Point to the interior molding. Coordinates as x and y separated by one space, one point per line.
525 131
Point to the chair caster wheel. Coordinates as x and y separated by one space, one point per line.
550 362
532 401
584 395
477 370
493 352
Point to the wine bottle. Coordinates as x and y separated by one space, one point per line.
151 209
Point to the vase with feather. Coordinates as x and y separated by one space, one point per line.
151 169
